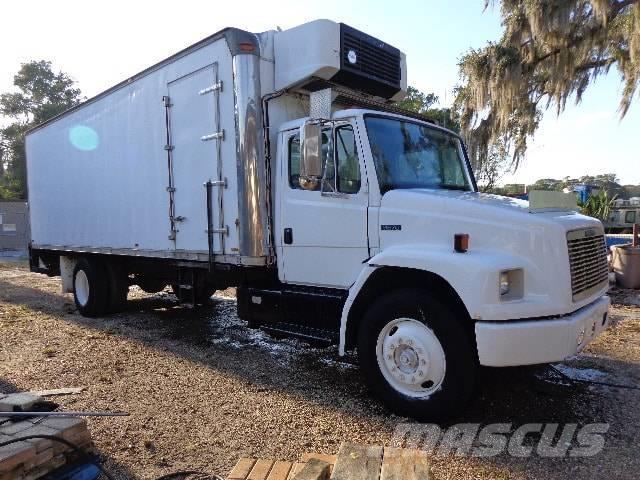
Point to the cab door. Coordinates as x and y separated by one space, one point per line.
323 231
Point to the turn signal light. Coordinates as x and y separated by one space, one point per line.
461 242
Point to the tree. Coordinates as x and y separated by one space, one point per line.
550 51
42 94
417 101
3 149
607 182
490 171
598 206
423 103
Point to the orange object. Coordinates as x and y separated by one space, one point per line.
246 47
461 242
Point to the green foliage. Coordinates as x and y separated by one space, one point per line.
607 181
423 103
550 51
598 206
41 94
417 101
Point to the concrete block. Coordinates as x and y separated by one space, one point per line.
13 455
13 428
314 469
48 466
15 474
66 426
407 464
38 459
80 438
55 462
39 443
357 462
16 402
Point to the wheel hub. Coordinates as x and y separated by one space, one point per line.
82 287
406 359
411 357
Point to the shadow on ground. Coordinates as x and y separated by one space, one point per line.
215 337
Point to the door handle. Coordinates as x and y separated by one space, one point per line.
288 236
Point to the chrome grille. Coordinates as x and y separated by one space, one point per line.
587 261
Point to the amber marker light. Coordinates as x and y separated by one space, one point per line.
461 242
246 47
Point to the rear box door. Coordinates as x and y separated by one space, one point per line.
195 152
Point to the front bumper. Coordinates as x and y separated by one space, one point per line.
533 341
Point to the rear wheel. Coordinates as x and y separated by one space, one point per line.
90 287
203 292
416 356
150 284
118 287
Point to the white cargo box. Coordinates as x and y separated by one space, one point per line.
100 175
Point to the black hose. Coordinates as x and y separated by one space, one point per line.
267 159
171 476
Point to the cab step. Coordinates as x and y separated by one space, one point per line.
313 336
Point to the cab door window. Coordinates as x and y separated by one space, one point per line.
348 178
340 149
294 159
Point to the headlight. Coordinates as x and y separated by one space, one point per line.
511 284
505 283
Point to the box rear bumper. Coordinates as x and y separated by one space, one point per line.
533 341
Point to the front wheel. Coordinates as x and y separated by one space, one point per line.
416 356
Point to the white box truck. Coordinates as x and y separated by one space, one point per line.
276 163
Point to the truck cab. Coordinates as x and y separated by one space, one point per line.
378 218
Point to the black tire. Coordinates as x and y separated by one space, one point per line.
203 292
150 284
461 365
118 287
91 303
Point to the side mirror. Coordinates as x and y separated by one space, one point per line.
310 155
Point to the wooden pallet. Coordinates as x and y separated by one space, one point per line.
353 462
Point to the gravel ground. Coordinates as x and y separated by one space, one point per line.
204 390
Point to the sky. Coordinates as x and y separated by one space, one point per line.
100 43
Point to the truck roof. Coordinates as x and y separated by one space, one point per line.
231 33
353 112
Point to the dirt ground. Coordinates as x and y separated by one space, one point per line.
203 389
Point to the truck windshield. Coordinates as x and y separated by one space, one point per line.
413 155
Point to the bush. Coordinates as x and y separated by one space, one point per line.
598 206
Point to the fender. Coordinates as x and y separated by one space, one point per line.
474 275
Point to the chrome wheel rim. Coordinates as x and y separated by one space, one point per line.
411 357
81 284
